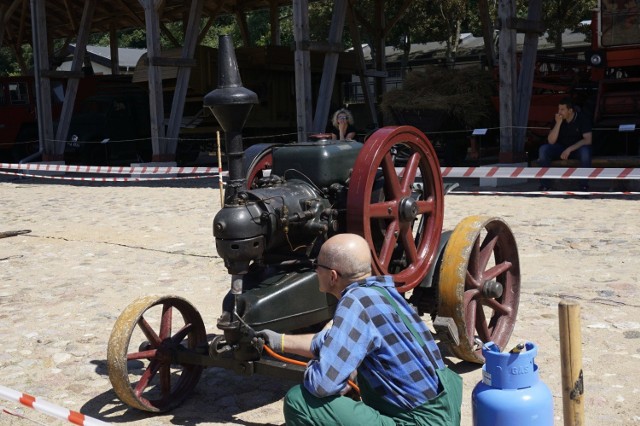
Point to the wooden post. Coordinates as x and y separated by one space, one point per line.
74 82
330 67
184 74
274 22
43 84
362 67
156 103
507 70
113 49
525 80
302 67
571 363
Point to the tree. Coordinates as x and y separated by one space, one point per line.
559 15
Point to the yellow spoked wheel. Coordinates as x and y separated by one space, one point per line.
479 285
142 348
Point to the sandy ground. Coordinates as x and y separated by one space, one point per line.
94 248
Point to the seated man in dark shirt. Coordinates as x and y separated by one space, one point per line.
570 137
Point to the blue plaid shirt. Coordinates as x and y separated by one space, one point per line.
368 335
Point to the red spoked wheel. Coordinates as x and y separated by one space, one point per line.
396 202
142 348
256 160
479 285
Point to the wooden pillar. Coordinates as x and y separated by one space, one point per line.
3 23
362 68
274 22
74 81
5 14
302 67
113 47
241 19
380 46
184 72
330 66
527 70
43 84
156 103
507 70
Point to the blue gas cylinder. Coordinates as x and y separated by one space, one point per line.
511 393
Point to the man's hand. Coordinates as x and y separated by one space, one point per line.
559 118
273 339
566 153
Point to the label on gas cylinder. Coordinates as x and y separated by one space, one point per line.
486 377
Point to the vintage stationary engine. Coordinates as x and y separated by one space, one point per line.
281 203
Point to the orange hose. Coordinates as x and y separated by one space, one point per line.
296 362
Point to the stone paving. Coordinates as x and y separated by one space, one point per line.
93 248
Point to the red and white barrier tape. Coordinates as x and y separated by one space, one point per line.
48 408
551 193
140 173
140 170
108 179
500 172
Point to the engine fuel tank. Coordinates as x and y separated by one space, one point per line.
324 162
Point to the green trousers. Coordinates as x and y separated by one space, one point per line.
302 408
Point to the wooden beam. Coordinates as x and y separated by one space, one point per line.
76 67
161 61
61 74
528 25
3 24
302 68
113 49
167 33
12 8
23 20
507 71
274 22
330 66
72 19
182 79
380 47
525 80
5 16
392 23
213 13
241 19
321 46
43 85
362 67
156 103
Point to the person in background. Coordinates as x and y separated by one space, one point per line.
375 336
343 122
570 137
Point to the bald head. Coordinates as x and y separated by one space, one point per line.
347 253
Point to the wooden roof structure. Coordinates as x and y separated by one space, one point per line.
41 21
63 16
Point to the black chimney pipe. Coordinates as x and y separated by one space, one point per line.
231 103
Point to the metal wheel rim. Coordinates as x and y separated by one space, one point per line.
175 381
468 266
368 217
260 163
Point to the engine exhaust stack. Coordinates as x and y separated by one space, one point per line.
231 104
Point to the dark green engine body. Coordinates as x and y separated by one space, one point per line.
268 235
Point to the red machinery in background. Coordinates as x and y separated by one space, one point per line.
615 68
605 83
